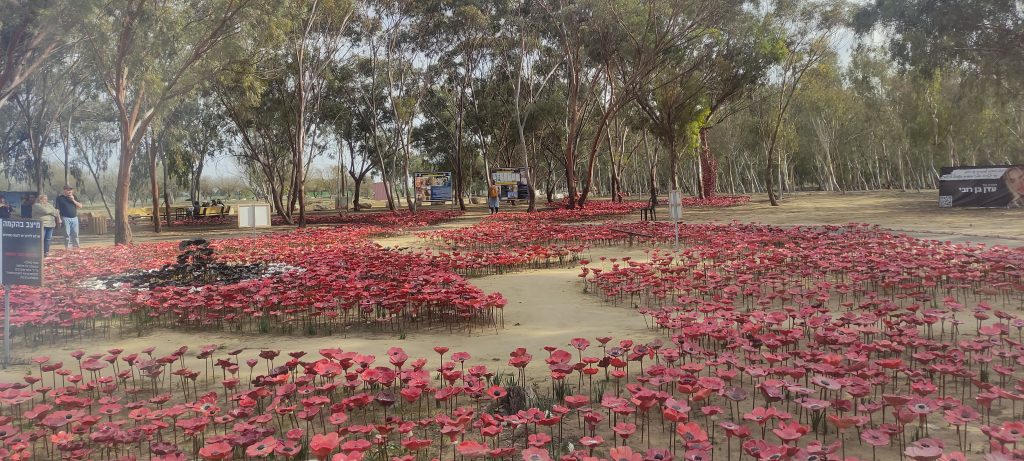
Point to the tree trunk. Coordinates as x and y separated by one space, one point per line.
122 228
698 175
592 156
571 135
549 183
673 163
389 194
357 181
195 184
520 131
708 167
153 186
278 200
409 201
96 179
652 172
167 193
769 179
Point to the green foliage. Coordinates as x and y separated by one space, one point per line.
982 36
582 90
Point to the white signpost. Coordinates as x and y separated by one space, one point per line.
675 211
254 215
21 259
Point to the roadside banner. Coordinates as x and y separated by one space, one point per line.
982 186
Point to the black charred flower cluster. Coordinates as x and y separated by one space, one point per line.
196 266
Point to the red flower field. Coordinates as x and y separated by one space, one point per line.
828 342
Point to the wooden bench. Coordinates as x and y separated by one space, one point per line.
633 235
214 211
135 214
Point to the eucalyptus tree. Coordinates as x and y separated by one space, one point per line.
983 37
674 94
744 51
31 31
621 52
315 39
274 91
149 54
42 102
356 134
673 107
830 116
368 134
544 131
257 103
461 35
517 49
809 30
492 119
198 135
563 25
396 36
95 141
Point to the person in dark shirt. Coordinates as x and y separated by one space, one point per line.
26 206
68 207
5 209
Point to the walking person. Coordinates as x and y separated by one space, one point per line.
492 198
49 216
68 207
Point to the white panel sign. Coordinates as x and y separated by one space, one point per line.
254 215
675 205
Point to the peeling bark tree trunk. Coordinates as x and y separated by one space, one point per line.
708 167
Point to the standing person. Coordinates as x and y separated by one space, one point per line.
50 218
68 207
5 209
492 198
26 206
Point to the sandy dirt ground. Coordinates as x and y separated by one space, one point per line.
915 213
548 307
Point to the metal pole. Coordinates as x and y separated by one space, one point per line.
677 235
254 220
7 325
7 308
